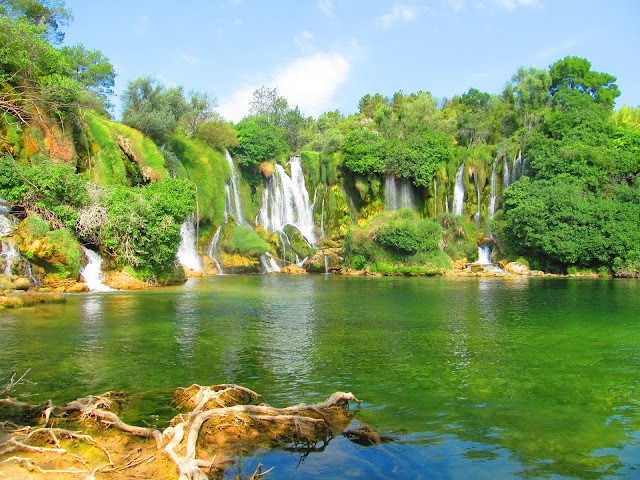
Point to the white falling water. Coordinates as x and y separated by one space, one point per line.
285 201
233 205
92 272
494 191
484 255
187 253
9 253
269 263
458 192
518 167
506 175
398 193
435 197
323 234
212 251
476 217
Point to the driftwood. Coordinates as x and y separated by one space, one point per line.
218 422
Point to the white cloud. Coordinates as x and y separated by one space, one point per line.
304 41
513 4
400 12
188 58
308 82
326 6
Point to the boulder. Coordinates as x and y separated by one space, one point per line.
293 269
517 268
22 283
121 280
78 288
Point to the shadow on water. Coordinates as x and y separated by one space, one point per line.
482 378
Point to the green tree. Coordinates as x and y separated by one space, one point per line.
529 90
90 68
50 15
200 107
153 108
259 140
268 103
218 133
575 73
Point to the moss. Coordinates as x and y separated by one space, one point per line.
311 166
245 241
208 169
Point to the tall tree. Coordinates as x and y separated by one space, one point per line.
575 73
49 14
268 103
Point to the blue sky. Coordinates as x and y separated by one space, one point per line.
326 54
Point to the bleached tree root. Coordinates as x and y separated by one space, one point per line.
218 422
194 434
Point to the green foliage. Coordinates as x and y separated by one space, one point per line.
575 73
91 69
143 224
460 236
35 227
152 108
561 224
218 133
199 110
396 243
65 242
408 234
52 188
260 140
245 241
363 152
207 169
48 15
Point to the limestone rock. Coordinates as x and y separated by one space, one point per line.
293 269
22 283
78 288
123 281
517 268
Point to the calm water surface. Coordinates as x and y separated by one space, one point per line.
475 378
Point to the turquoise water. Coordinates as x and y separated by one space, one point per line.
474 378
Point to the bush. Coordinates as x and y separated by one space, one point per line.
409 236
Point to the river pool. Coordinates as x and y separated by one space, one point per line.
474 378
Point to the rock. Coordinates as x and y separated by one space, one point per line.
78 288
22 283
517 268
460 264
476 267
121 280
188 273
11 302
316 264
293 269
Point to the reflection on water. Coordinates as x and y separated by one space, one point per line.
481 378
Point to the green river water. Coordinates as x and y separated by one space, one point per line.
474 378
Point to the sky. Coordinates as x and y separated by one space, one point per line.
324 55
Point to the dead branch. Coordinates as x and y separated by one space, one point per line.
13 383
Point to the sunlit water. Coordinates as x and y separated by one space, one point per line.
475 378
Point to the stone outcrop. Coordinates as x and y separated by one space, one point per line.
121 280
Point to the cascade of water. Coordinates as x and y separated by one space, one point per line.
187 253
484 255
326 264
285 201
8 253
269 263
323 235
398 193
458 192
212 251
518 169
506 175
92 272
494 191
233 205
435 197
476 217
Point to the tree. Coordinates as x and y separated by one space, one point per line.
575 73
368 104
199 109
260 140
51 15
218 133
90 68
153 108
529 89
268 103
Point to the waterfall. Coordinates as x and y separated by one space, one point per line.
518 167
285 201
506 175
477 215
212 251
435 197
458 193
323 235
92 272
494 191
269 263
484 255
188 249
398 193
232 204
8 252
